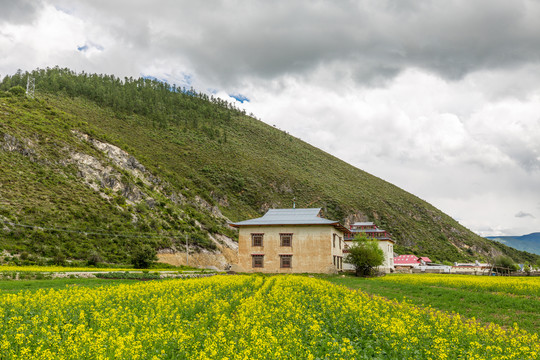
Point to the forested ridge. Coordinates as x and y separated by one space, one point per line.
201 156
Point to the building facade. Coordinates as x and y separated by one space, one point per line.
290 241
372 232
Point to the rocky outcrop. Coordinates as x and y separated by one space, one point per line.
100 174
119 157
355 217
222 259
12 144
107 173
207 206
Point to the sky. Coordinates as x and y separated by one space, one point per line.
441 98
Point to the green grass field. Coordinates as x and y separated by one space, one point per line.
500 307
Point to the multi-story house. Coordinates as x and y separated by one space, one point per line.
290 241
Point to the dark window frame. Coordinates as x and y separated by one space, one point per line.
283 236
285 261
255 241
255 264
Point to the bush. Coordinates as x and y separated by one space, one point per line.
59 259
365 255
17 91
503 264
143 257
94 259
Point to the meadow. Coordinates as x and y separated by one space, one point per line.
490 299
241 317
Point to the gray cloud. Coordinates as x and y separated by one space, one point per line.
17 12
522 214
227 41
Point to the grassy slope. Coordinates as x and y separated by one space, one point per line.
42 189
260 167
255 168
486 307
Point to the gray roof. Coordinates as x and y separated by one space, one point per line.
289 217
363 223
367 230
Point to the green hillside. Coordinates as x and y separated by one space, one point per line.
66 192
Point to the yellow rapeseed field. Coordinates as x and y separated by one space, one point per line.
241 317
525 285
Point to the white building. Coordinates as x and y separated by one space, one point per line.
372 232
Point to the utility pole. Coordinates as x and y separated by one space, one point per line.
187 251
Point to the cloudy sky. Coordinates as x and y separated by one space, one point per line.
441 98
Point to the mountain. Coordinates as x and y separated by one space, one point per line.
99 166
529 243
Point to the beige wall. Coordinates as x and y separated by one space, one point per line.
311 248
388 250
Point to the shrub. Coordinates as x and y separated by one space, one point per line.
17 91
59 259
94 259
365 255
143 257
503 264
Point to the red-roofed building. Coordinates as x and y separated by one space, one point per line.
410 261
406 261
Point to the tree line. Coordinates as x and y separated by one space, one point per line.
160 101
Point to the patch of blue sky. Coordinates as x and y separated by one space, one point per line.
65 10
187 79
150 77
239 97
179 87
89 45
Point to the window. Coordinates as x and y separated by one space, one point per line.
338 262
334 239
286 239
257 261
339 237
285 261
257 239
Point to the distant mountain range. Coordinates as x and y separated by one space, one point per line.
530 242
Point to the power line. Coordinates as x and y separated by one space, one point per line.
91 232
